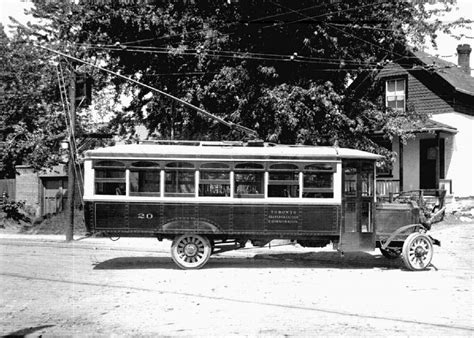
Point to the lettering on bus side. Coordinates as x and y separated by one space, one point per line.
142 215
283 216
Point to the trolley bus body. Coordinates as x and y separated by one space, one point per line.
210 196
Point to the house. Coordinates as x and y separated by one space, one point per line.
442 153
44 192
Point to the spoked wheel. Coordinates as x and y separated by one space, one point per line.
190 251
417 251
391 253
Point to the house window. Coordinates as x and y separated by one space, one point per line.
395 94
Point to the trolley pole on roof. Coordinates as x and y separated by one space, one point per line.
71 182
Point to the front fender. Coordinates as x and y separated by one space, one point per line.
399 231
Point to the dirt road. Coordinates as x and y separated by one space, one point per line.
131 287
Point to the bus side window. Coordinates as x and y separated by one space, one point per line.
145 179
283 180
109 178
180 179
318 180
249 180
214 180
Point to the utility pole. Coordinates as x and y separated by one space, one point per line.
71 182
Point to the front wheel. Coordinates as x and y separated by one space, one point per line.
190 251
417 251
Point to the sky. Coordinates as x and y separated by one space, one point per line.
446 44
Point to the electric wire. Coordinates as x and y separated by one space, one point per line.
342 64
255 20
229 124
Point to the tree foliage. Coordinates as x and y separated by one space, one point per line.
29 123
279 67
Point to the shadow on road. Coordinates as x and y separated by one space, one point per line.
27 331
318 260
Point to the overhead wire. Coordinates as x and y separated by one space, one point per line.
254 20
224 53
231 125
363 40
325 14
347 64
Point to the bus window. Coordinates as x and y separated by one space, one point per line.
214 180
249 180
367 176
145 179
318 180
109 178
180 179
283 180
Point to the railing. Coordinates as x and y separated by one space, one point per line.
383 187
387 187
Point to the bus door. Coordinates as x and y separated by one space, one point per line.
357 226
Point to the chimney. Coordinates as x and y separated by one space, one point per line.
464 52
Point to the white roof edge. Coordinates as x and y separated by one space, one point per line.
154 150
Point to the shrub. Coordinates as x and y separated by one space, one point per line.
13 210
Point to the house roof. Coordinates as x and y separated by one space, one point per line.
449 71
431 125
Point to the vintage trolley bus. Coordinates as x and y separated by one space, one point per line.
208 197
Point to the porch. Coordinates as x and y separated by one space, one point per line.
384 188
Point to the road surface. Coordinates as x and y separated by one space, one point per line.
132 287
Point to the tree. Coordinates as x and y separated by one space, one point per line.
280 68
30 125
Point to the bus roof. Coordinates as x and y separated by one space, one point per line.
220 151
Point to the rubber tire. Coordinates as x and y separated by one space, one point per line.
191 261
413 242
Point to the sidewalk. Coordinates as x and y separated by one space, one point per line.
104 243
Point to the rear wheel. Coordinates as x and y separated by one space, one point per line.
190 251
417 251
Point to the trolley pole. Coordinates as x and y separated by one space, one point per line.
71 182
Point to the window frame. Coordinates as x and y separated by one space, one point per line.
114 165
195 179
396 92
295 169
331 170
258 168
156 167
222 167
177 171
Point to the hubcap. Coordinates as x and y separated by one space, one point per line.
190 249
419 252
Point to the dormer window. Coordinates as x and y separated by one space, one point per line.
395 94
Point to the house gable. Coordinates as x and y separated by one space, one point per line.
433 86
426 92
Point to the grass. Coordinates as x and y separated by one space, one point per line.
49 225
